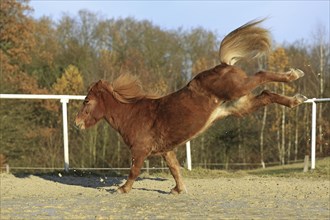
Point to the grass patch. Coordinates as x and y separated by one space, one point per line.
322 170
199 173
287 171
207 173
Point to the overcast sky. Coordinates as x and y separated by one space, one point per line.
288 20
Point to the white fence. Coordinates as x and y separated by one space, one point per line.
64 99
313 134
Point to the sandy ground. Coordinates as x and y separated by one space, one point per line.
94 197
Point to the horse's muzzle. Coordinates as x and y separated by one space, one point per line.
80 123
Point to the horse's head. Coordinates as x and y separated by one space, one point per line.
93 109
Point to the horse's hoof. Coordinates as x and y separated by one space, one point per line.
121 190
297 73
176 191
300 98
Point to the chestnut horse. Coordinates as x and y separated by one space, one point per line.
152 125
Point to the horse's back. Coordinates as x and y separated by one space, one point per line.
221 81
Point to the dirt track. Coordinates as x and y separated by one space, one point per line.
249 197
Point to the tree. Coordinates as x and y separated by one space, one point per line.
70 83
322 56
16 42
278 61
44 64
299 57
43 56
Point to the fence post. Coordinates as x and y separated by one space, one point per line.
7 168
313 138
147 165
64 102
188 152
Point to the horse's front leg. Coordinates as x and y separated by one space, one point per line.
138 158
174 166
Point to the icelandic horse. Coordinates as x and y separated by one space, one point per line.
153 125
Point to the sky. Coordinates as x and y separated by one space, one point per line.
288 21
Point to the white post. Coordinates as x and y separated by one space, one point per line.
313 138
64 102
188 152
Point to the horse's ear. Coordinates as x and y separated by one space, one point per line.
91 86
103 85
99 84
104 82
95 86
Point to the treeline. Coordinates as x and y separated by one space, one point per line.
43 56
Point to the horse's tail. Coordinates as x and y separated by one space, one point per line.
247 41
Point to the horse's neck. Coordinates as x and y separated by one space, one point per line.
115 111
118 115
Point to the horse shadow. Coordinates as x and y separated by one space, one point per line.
109 183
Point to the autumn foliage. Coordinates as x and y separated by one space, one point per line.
70 83
43 56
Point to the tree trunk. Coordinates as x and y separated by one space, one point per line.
262 137
283 131
308 137
239 140
278 125
289 143
321 94
320 125
105 142
204 153
306 163
92 146
118 150
296 139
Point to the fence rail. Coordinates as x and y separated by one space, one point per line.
313 133
8 168
147 168
64 99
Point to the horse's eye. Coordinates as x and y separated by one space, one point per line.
86 102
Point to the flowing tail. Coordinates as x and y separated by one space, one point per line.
248 41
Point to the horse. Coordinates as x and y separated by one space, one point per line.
156 125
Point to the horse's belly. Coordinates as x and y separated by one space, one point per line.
174 130
215 115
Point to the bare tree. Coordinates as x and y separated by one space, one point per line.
321 51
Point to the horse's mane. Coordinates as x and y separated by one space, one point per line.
127 88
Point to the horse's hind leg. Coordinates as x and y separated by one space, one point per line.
250 103
174 167
291 75
267 97
243 85
263 77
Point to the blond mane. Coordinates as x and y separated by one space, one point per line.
128 89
